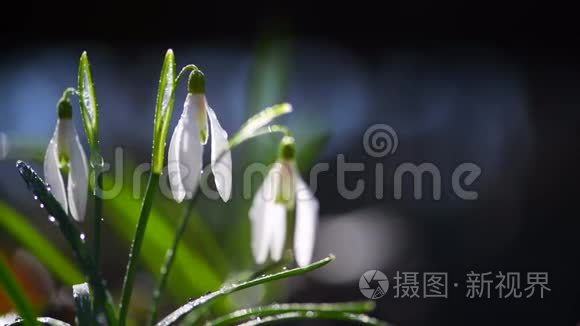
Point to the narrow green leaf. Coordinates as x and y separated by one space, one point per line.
316 315
163 109
242 315
16 295
71 233
199 302
259 132
88 103
82 298
259 120
26 235
43 321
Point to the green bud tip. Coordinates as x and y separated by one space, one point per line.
287 148
196 83
64 107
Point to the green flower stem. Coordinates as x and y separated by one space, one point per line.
309 315
170 257
183 71
248 131
98 216
136 247
16 295
73 236
201 301
242 315
172 252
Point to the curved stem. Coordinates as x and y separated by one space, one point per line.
69 91
317 315
242 315
176 315
136 247
183 71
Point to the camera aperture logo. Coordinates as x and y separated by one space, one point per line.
373 284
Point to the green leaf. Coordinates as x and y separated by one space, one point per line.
258 121
192 272
163 109
43 321
26 235
200 302
88 103
82 298
71 233
316 315
16 295
259 132
242 315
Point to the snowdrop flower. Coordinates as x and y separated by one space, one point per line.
186 147
283 191
65 155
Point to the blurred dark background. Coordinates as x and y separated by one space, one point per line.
495 85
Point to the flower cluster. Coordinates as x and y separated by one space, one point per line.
283 197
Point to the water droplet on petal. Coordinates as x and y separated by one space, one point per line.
82 237
41 205
51 219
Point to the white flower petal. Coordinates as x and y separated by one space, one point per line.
52 174
185 156
275 214
260 231
78 177
222 169
199 110
173 166
306 221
